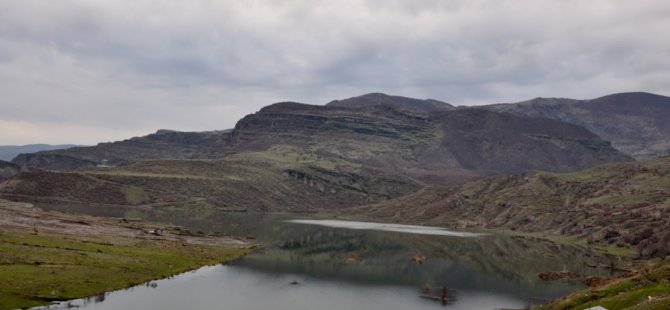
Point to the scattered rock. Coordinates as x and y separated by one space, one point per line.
352 257
595 282
418 259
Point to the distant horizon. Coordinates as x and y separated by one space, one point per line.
121 137
38 144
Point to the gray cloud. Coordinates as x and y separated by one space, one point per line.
88 71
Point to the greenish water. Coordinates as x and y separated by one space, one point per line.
351 265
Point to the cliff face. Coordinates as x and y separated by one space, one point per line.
445 147
307 125
636 123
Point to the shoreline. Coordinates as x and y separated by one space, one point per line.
48 256
66 303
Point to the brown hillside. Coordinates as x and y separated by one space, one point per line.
636 123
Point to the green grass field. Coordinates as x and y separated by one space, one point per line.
648 289
37 269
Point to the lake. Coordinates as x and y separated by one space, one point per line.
307 264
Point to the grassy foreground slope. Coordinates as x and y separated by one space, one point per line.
647 289
48 256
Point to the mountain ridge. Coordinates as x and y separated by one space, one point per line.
449 146
635 122
163 144
446 146
376 99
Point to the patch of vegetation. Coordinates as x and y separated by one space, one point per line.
37 269
646 289
623 251
291 157
135 195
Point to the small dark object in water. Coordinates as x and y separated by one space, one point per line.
294 282
445 295
427 288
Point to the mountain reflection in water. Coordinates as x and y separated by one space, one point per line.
316 266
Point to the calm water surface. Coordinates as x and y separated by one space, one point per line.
313 264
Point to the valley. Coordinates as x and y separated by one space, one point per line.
552 186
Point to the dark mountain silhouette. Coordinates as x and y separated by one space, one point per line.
637 123
376 99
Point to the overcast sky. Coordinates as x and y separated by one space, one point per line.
90 71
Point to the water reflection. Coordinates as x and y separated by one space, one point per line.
235 287
410 229
313 265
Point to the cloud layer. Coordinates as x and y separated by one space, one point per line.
90 71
